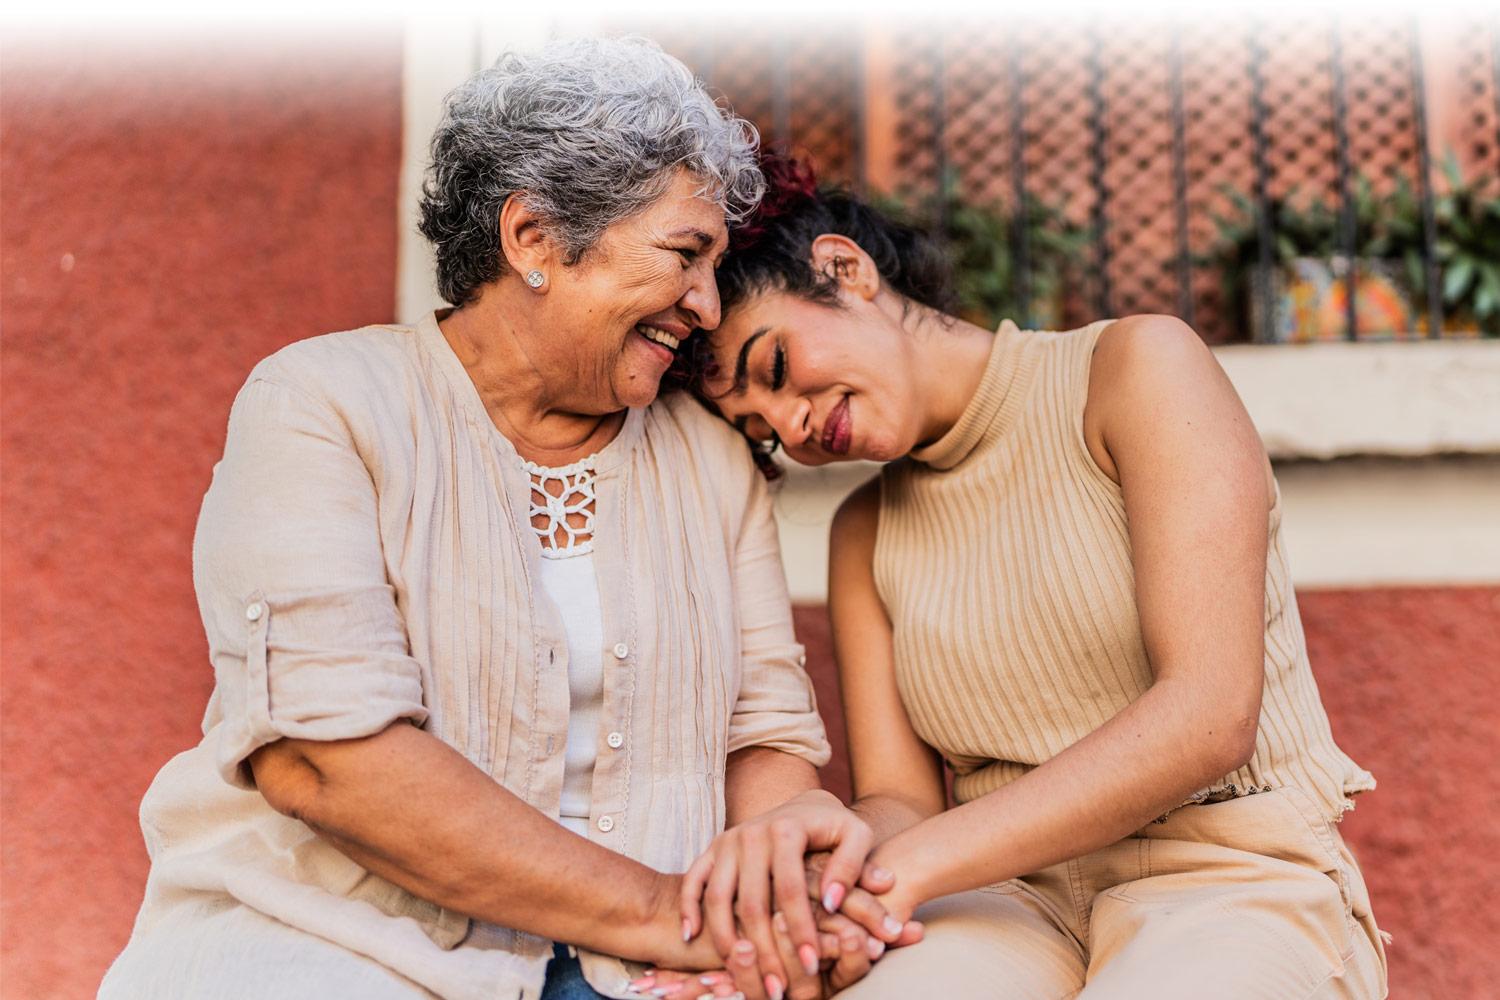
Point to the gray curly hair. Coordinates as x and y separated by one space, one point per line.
588 132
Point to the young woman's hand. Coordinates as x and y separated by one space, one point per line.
758 867
898 894
865 903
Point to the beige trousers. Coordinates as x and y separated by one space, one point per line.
1256 897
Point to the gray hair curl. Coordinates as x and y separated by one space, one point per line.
589 132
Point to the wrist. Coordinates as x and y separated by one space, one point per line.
646 926
918 877
818 796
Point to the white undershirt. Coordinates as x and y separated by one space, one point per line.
574 588
564 497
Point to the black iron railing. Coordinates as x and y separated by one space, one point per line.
1324 107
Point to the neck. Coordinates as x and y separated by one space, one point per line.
501 341
953 356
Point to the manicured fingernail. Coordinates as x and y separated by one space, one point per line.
833 898
709 980
662 991
687 930
774 988
809 956
744 952
876 948
880 873
891 925
645 982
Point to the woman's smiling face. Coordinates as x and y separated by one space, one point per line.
646 286
830 382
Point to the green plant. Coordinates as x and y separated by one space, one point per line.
1300 226
1387 227
1466 246
979 239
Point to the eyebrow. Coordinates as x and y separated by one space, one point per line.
703 239
742 363
694 233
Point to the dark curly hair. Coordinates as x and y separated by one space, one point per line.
771 250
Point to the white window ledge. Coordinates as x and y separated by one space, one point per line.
1401 399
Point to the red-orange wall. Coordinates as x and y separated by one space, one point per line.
172 212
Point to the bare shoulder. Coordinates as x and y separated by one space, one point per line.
1146 364
1156 391
1150 345
1149 371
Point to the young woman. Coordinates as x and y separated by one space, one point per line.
1069 584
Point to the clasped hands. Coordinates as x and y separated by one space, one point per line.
792 905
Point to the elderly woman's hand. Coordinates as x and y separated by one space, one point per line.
760 866
846 953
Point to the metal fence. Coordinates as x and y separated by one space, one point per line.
1138 134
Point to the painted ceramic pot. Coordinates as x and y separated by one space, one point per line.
1310 298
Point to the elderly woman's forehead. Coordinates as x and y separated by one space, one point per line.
686 203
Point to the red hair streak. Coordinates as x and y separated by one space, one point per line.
789 183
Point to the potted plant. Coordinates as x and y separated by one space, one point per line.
1308 278
1466 250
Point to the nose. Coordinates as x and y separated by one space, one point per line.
702 298
791 419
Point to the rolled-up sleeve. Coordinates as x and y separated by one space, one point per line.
776 707
302 623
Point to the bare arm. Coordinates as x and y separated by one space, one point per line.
898 779
1195 481
413 810
758 779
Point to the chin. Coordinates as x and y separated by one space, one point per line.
635 389
880 451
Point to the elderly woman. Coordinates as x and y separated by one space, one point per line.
499 645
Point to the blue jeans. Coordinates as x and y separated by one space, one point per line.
565 978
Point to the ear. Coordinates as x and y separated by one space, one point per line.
846 262
523 238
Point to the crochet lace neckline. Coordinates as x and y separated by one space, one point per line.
561 507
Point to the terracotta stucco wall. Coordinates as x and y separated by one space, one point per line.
173 211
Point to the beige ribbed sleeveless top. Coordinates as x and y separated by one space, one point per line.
1003 561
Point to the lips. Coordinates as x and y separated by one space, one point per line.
838 431
659 336
663 343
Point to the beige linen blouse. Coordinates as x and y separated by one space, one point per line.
364 555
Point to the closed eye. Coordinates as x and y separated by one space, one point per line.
778 368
